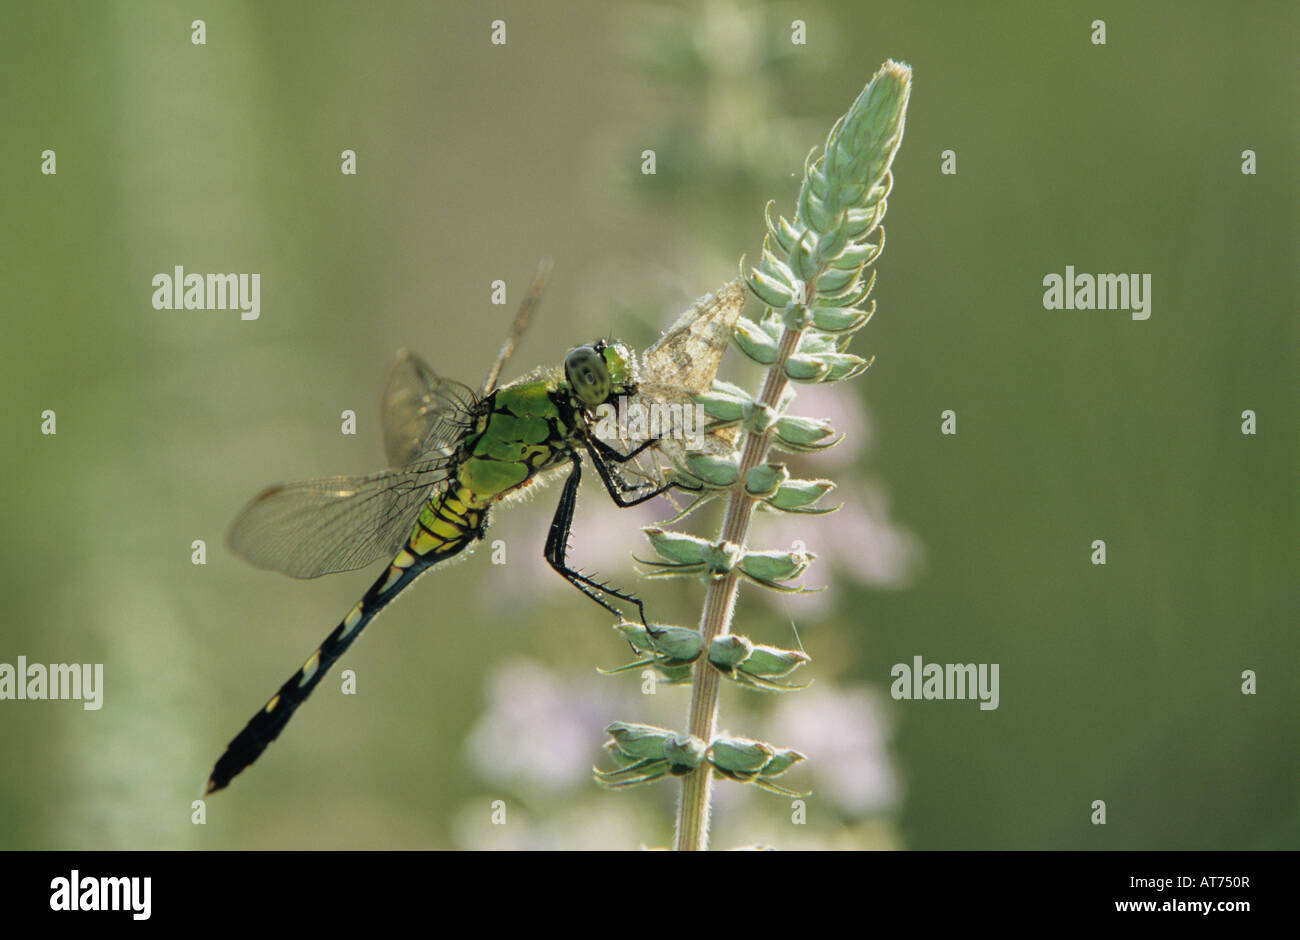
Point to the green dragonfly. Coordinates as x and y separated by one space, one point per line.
454 454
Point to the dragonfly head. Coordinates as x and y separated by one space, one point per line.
600 371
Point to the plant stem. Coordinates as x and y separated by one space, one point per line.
715 621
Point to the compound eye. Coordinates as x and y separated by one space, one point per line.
588 375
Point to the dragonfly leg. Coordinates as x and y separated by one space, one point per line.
617 486
602 452
614 454
557 547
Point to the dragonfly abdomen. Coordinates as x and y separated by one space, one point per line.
448 523
266 725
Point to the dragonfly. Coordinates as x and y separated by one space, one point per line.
453 455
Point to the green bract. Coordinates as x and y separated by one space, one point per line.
766 480
774 566
755 343
769 662
676 547
684 751
635 740
739 755
799 495
727 651
803 434
721 556
716 471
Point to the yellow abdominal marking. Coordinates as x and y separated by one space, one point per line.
434 536
441 527
309 668
351 620
394 573
270 706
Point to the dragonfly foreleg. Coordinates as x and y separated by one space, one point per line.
617 486
557 547
614 454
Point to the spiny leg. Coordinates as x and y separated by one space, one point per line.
601 452
612 453
557 547
616 485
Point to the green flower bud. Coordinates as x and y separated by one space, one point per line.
813 211
815 343
795 316
770 289
859 223
740 755
841 366
683 752
770 662
800 434
772 326
795 495
854 256
804 368
775 267
766 479
676 547
637 740
723 401
637 635
781 762
839 319
754 342
681 644
757 416
832 243
803 259
728 651
833 280
720 556
774 566
715 470
854 295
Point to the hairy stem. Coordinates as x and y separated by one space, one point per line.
715 621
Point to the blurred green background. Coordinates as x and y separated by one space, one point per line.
1119 683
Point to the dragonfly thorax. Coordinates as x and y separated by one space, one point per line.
522 430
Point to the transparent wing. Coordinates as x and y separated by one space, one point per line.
681 365
316 527
687 357
525 312
422 411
